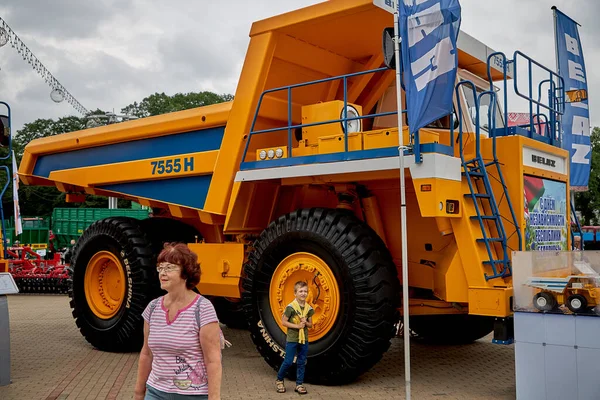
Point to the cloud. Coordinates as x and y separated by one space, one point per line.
110 53
62 19
528 26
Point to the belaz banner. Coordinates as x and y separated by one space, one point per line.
429 32
576 118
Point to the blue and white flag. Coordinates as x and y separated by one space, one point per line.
429 31
576 118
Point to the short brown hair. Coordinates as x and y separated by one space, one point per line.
299 284
180 254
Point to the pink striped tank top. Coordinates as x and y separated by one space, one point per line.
177 359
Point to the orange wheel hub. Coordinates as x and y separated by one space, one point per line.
323 291
104 284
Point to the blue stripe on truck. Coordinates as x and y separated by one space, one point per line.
189 191
163 146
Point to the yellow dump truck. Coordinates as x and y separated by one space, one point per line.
296 179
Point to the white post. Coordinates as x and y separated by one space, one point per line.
401 148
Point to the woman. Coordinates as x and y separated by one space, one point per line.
181 356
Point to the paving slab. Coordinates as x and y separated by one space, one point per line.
52 361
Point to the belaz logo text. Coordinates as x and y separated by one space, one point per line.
544 161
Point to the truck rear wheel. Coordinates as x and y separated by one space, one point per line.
452 328
353 287
158 231
111 284
577 303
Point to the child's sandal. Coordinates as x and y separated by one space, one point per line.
280 387
301 389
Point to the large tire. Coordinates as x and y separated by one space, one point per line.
451 329
369 292
123 249
230 312
159 231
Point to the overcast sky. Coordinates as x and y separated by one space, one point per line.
110 53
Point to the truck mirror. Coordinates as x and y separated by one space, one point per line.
4 131
389 57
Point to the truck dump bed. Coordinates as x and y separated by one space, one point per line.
186 161
132 159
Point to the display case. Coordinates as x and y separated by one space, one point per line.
561 282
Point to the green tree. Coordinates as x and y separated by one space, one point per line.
160 103
588 203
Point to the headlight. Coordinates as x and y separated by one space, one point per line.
271 153
262 155
278 153
353 125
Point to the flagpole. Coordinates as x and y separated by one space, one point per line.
401 148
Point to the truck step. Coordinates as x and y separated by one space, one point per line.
483 217
488 262
482 240
475 174
479 195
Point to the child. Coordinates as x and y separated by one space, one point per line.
297 317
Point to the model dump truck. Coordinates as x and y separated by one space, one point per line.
579 290
296 179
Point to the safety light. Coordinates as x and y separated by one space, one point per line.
279 153
262 155
271 153
353 125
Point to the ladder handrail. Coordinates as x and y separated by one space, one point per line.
464 164
481 166
490 80
492 125
460 117
551 98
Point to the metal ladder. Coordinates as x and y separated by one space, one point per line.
476 169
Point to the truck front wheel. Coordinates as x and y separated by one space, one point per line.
353 287
112 284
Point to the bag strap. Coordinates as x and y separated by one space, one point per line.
152 307
224 342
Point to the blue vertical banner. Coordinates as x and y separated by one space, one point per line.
576 118
429 32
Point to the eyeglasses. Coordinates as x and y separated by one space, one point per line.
166 267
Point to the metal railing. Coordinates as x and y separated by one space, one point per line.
556 96
290 126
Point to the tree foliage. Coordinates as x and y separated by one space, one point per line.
160 103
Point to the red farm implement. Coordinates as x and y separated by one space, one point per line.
33 274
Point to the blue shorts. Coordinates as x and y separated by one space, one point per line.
155 394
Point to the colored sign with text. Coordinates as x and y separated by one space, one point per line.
175 165
545 214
